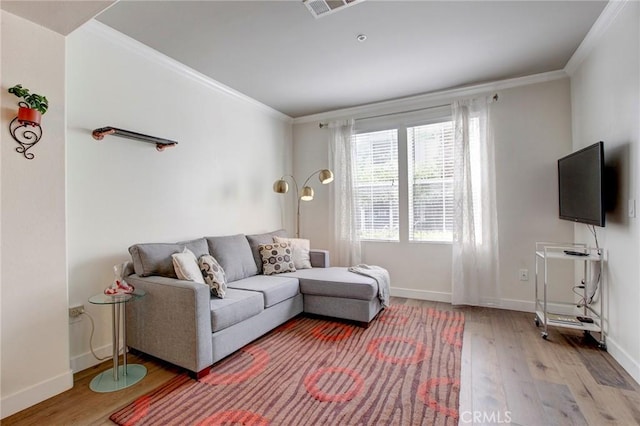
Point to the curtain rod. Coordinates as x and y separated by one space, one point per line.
322 125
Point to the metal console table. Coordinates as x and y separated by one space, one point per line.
592 319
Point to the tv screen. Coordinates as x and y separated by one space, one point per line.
580 185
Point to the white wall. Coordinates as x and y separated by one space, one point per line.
605 98
35 333
532 130
532 126
217 181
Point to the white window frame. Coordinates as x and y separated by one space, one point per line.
401 122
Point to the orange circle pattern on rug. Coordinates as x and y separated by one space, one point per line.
419 351
231 417
259 363
311 383
424 393
323 331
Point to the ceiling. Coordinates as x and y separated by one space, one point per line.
60 16
277 53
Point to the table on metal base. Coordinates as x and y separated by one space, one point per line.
120 376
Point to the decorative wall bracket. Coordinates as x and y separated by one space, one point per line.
161 144
27 134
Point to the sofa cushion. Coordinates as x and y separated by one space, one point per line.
237 306
234 255
335 282
257 239
155 258
274 288
199 246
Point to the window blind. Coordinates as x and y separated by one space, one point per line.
430 170
376 185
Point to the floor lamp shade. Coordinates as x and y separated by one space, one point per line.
307 193
281 186
325 176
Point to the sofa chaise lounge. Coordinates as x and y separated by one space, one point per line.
180 321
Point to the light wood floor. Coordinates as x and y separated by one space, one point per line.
510 375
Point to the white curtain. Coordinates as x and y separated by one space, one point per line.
475 229
346 243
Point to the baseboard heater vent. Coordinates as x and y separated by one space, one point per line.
319 8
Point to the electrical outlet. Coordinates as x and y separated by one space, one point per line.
632 208
76 311
524 275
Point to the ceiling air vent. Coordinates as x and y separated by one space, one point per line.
319 8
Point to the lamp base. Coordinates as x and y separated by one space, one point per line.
104 382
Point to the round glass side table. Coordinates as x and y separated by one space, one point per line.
120 376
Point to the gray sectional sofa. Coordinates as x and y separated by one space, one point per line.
180 322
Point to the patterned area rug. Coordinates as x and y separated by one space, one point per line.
403 370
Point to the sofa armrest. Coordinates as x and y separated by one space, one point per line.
172 321
319 258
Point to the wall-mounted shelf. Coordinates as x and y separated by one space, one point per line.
27 134
160 143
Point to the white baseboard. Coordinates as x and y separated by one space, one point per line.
434 296
34 394
510 304
87 360
627 362
530 306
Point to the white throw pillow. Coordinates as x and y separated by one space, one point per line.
213 275
300 248
186 266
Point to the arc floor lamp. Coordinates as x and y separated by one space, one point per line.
281 186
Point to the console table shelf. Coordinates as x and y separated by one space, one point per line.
572 252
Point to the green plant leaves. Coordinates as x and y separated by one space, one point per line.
35 101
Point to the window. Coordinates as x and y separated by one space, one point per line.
430 178
403 177
376 185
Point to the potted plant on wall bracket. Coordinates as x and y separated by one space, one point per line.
32 105
25 128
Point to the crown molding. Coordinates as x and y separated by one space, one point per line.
430 99
106 32
602 24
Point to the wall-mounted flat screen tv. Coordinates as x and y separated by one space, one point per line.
581 185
